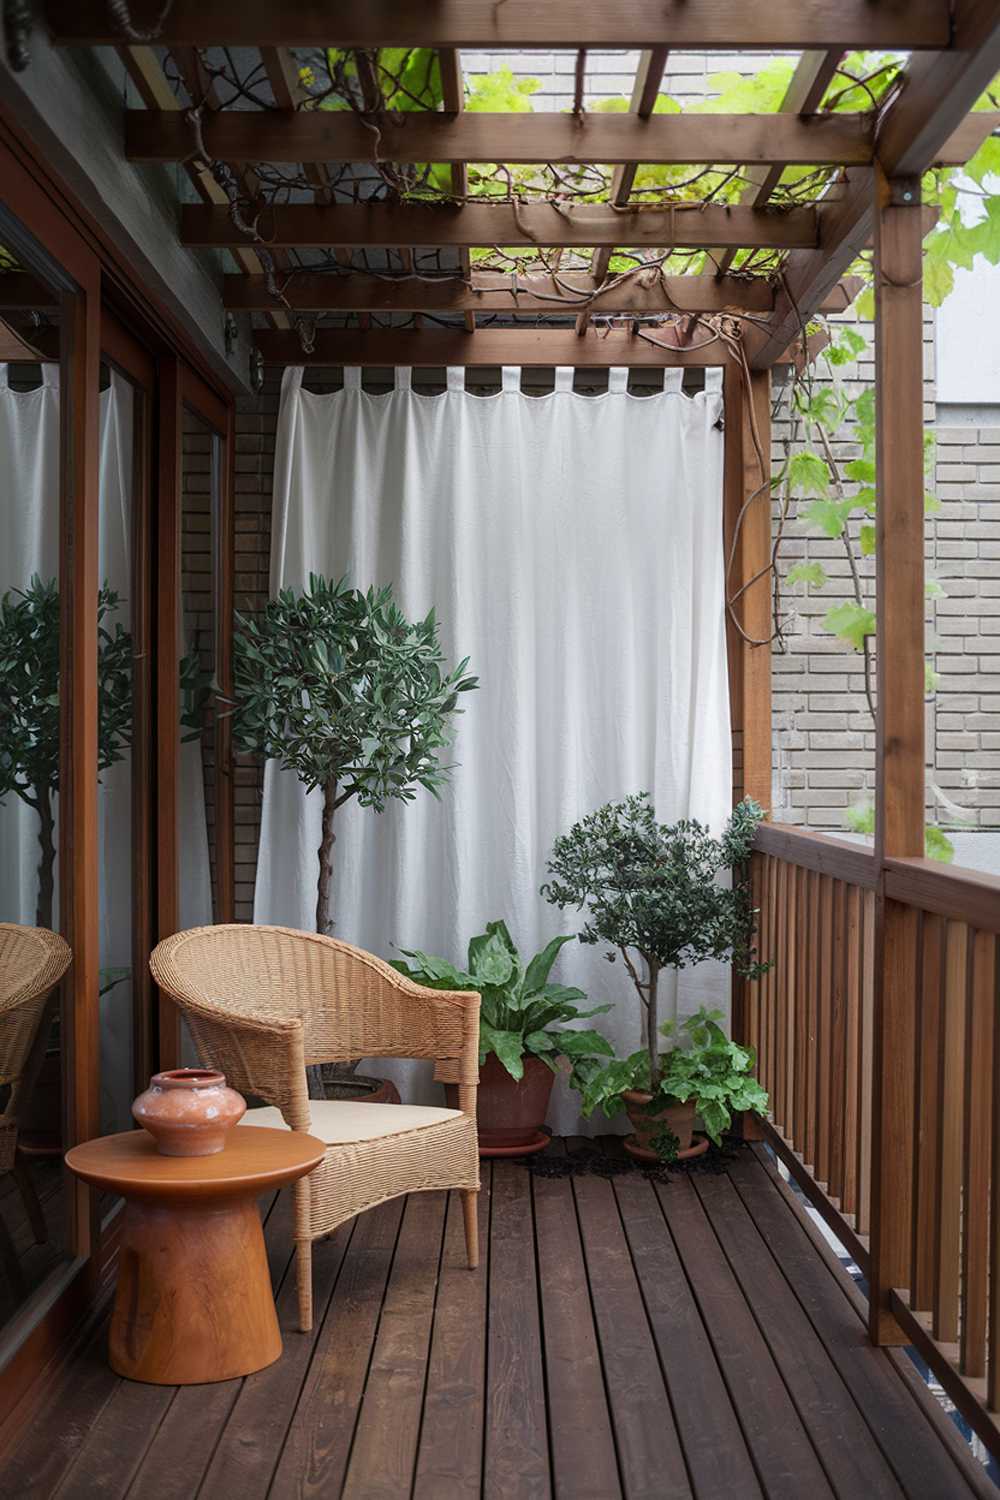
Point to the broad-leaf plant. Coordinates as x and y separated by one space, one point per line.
522 1012
652 894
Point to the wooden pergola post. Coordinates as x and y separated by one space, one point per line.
899 795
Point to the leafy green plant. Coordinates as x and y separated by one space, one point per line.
30 705
522 1012
701 1066
651 893
340 688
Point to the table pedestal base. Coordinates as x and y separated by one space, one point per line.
194 1301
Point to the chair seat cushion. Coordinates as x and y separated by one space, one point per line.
339 1123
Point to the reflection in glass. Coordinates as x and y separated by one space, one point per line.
199 532
116 666
32 1200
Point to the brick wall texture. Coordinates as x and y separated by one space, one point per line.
823 739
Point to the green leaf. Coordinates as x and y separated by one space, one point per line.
828 516
939 280
864 304
540 967
490 960
931 679
937 845
850 622
861 818
866 539
807 572
583 1044
808 474
508 1046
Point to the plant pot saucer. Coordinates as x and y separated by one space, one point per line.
538 1142
640 1153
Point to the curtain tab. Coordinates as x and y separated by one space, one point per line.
673 380
404 378
510 378
456 377
352 377
713 379
618 380
564 377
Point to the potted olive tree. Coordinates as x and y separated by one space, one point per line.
651 892
336 685
522 1036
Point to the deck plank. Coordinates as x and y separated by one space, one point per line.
385 1443
922 1464
783 1455
516 1450
450 1457
649 1449
314 1459
584 1463
717 1457
621 1339
852 1459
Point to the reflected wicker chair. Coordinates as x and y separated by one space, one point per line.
32 962
264 1002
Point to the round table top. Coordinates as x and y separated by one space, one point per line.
253 1159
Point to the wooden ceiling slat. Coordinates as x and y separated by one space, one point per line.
806 88
490 292
388 224
795 25
386 347
931 105
453 98
648 77
612 139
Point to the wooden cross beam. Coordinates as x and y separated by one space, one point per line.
386 347
493 292
315 135
794 25
383 225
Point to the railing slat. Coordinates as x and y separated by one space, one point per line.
928 1111
993 1368
778 1036
801 1041
947 1257
976 1173
838 1036
812 1019
823 1039
852 1053
867 1052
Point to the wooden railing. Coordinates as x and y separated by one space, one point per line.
811 1017
887 1110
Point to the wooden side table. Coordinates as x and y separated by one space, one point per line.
194 1301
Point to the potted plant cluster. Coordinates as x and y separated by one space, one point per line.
522 1033
337 686
652 893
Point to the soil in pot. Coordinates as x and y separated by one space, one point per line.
510 1112
678 1118
359 1088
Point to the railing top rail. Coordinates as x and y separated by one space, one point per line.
853 863
964 895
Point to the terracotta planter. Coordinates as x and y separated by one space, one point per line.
676 1117
188 1111
510 1113
360 1089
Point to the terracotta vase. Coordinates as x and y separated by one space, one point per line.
511 1112
188 1111
676 1117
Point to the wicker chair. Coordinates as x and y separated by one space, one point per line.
264 1002
32 962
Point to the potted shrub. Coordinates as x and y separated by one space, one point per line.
336 685
651 893
521 1033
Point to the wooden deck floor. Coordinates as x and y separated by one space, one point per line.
621 1339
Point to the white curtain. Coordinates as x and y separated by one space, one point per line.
572 547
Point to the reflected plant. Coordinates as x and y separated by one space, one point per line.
30 707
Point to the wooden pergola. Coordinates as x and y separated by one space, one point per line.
877 1026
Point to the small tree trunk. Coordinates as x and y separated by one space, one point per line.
652 1028
324 905
47 859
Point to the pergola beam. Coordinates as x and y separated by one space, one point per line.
773 141
384 225
490 292
794 25
384 348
